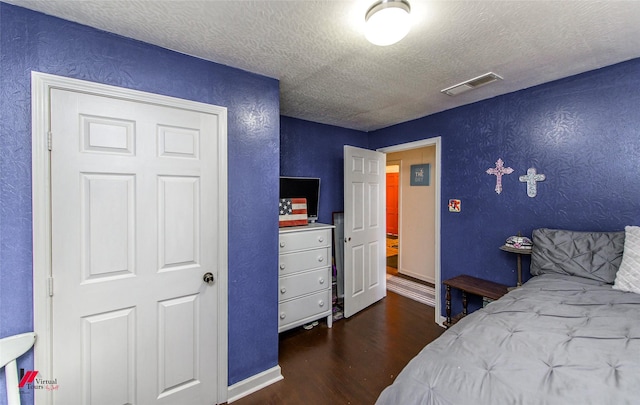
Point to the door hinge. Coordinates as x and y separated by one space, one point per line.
49 141
50 286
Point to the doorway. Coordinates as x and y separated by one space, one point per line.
418 214
392 206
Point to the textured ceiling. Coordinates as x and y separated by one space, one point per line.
330 74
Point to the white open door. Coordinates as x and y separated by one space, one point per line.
364 228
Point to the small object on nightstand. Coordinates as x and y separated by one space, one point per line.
521 245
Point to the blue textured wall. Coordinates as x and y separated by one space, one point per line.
309 149
33 41
582 132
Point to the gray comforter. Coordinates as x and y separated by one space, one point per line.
557 340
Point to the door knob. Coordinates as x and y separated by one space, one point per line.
208 278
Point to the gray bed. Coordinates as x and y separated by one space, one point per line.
565 337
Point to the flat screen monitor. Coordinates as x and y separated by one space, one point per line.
303 187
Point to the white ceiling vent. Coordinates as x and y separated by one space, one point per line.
471 84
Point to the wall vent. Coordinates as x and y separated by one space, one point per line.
471 84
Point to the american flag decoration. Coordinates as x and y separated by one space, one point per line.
293 212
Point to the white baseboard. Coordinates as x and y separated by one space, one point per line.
254 383
417 276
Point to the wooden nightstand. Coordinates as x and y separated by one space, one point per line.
519 252
470 285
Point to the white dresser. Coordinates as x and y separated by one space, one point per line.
304 281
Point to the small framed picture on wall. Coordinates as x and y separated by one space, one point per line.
420 174
455 205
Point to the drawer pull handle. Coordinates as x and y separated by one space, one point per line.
320 239
283 290
282 315
321 280
282 267
321 303
282 244
321 259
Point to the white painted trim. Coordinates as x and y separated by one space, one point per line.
254 383
417 276
437 142
41 85
41 209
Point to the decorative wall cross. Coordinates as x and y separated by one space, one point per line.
498 171
532 179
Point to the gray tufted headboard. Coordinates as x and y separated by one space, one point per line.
593 255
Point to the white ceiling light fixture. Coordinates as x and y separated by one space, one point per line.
387 22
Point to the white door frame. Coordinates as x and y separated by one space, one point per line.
438 172
41 84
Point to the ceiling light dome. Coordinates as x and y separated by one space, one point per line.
387 22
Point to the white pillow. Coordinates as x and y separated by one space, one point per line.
628 276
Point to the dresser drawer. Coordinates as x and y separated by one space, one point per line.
305 260
304 240
304 307
303 283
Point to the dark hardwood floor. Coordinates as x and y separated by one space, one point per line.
355 360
